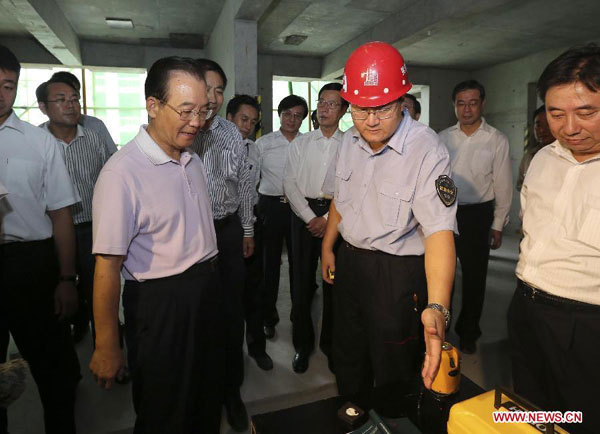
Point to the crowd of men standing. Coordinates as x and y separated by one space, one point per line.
193 214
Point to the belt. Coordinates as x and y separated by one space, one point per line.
221 223
83 225
17 247
475 205
543 297
319 201
377 252
281 199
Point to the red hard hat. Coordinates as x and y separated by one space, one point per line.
374 75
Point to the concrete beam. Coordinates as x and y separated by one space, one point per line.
409 26
47 23
252 10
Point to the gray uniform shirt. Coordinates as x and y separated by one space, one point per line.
388 199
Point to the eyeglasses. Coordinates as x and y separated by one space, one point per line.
329 104
471 104
187 115
65 102
288 114
381 113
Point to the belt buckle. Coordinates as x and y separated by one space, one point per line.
283 199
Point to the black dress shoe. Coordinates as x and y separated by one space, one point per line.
237 417
263 361
468 346
300 363
269 331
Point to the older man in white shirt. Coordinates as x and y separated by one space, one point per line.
305 171
481 169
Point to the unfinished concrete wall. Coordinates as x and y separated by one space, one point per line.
440 82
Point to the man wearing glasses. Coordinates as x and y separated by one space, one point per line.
153 223
308 160
85 153
482 169
220 145
274 206
394 206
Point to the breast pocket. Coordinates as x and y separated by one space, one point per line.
24 178
482 160
343 178
394 203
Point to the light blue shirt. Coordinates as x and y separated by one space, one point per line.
388 199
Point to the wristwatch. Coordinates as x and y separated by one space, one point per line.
442 309
70 278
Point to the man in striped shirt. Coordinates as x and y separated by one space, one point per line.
222 150
85 152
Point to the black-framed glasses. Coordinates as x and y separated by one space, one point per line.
322 103
381 113
187 115
65 101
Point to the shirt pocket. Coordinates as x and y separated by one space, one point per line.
24 178
589 228
394 202
482 161
343 177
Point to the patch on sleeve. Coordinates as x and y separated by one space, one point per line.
446 190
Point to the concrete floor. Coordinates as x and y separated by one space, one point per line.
100 412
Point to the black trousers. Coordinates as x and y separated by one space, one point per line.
85 264
28 277
473 251
306 251
276 217
232 270
175 351
254 294
377 332
554 353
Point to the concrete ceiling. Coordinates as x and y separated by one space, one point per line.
459 34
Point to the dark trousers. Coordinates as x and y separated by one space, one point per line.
377 332
276 217
85 265
28 277
253 295
473 251
306 251
232 269
554 353
175 351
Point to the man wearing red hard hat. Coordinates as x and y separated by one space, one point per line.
394 205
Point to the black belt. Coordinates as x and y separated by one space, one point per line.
319 201
543 297
221 223
83 225
281 199
476 205
16 247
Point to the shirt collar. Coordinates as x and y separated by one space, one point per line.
154 153
278 133
337 135
483 127
214 124
397 140
13 122
565 153
79 133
